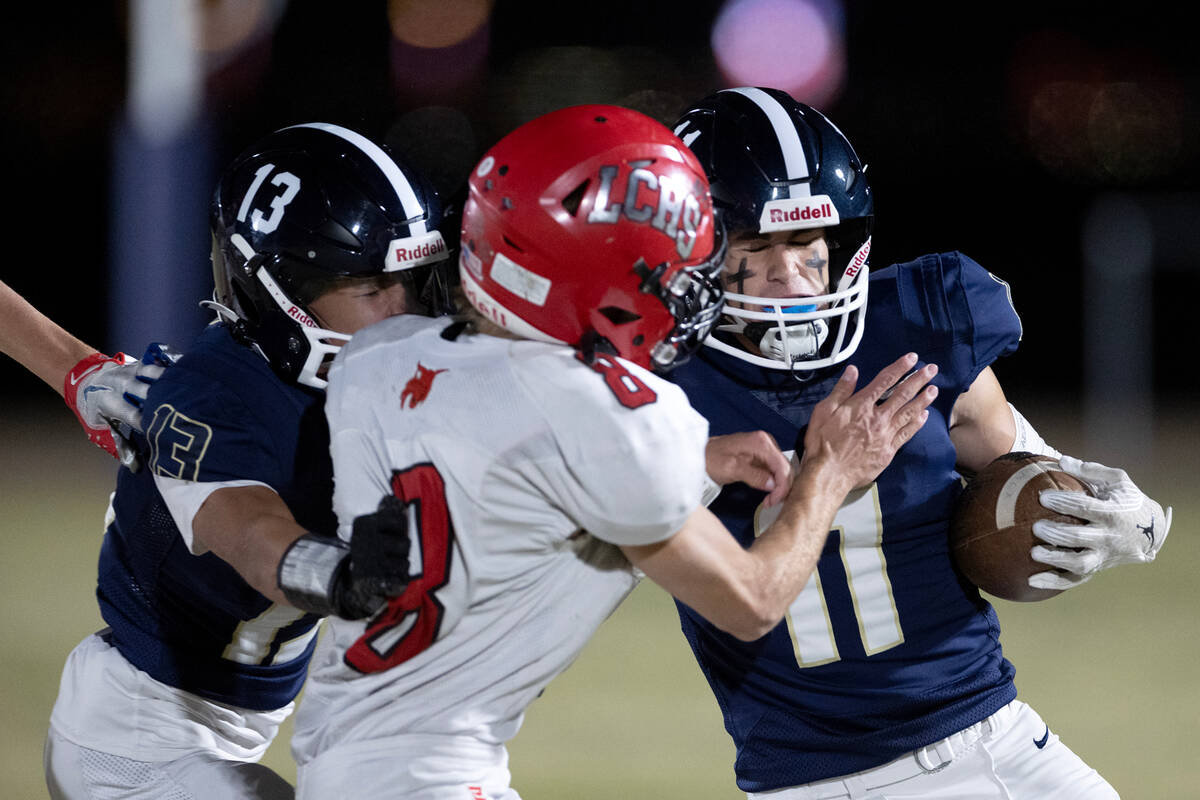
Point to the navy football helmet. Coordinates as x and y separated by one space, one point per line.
305 206
775 164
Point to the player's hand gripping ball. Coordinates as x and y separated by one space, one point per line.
991 533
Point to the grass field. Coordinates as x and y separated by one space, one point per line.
1112 666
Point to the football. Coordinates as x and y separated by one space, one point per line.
991 532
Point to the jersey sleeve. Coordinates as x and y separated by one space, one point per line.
628 476
360 467
965 313
203 437
184 498
996 327
355 401
203 432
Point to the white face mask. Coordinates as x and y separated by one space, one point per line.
796 335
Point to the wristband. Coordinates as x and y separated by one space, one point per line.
1027 439
309 571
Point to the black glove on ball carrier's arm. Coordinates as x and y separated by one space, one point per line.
324 575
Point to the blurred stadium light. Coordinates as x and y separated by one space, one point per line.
165 71
449 22
226 25
160 182
236 39
1100 116
163 151
439 51
795 45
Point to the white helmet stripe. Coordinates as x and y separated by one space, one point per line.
794 161
404 191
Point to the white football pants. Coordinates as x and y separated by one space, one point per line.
1011 755
80 773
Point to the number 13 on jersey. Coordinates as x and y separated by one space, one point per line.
859 526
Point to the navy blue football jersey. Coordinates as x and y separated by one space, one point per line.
886 649
190 621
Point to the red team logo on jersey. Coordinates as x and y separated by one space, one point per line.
418 386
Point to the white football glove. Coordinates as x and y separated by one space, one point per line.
1124 526
106 392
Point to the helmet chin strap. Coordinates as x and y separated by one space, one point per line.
224 313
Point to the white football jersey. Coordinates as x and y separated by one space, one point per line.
526 467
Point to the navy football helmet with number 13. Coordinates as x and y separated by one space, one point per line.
775 165
303 208
592 226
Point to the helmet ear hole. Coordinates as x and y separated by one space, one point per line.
619 316
572 201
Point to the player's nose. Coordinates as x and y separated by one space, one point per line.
788 265
781 262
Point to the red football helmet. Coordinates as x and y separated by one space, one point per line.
592 226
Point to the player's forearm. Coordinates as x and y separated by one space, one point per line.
704 567
37 342
746 592
787 552
270 538
981 423
249 528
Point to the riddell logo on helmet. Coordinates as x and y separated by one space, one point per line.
282 300
798 213
298 315
416 250
859 259
822 212
424 251
484 304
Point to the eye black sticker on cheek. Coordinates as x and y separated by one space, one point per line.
739 276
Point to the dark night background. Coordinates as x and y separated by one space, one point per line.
935 100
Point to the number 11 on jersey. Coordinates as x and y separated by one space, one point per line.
859 526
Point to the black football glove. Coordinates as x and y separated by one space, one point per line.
324 575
